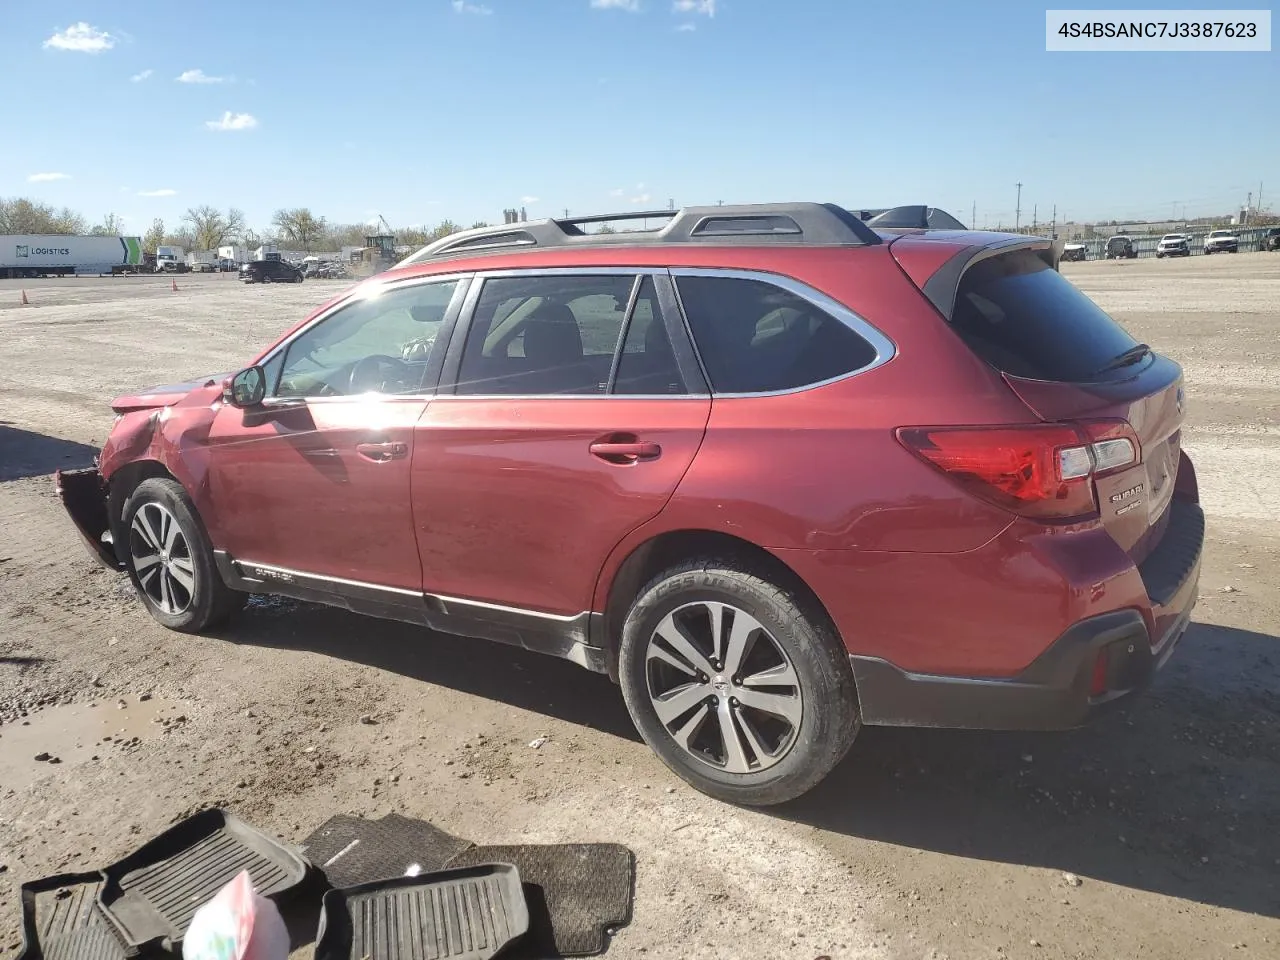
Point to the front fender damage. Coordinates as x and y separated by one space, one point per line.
84 497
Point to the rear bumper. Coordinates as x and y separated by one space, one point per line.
1094 664
83 497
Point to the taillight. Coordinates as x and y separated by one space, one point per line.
1044 471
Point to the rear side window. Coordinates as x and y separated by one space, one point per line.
754 337
1025 319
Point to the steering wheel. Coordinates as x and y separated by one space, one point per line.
367 372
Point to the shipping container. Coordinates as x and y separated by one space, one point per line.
30 255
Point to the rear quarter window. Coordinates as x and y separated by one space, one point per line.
755 337
1025 319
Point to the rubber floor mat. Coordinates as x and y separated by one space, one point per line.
577 893
61 920
468 914
351 850
152 894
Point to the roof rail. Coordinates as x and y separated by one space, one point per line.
745 225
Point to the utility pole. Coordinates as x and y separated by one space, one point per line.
1055 221
973 217
566 213
1017 210
1259 196
1248 205
719 203
1035 207
671 204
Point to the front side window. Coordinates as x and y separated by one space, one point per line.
544 335
755 337
380 344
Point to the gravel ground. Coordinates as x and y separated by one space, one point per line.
1153 833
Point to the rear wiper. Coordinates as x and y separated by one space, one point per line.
1128 358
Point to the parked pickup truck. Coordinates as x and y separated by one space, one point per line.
1222 241
1173 245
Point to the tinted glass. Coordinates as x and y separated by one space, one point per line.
544 335
754 337
381 344
648 364
1023 317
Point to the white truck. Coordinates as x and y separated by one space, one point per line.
169 259
1222 241
39 255
202 261
268 251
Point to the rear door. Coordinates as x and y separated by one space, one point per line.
1068 360
569 412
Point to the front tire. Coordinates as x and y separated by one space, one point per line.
737 683
170 560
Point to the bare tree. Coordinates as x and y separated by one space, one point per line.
478 225
299 226
211 228
443 230
109 227
21 215
154 236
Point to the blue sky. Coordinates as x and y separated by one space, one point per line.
438 108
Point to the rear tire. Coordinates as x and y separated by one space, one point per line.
170 560
758 716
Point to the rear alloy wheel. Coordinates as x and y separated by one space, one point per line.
170 560
738 687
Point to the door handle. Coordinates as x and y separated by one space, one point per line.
382 452
625 451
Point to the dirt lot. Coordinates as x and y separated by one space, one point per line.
923 844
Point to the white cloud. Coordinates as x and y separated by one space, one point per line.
165 192
47 177
617 193
642 198
686 28
81 38
197 76
479 9
631 6
706 8
139 77
233 121
528 200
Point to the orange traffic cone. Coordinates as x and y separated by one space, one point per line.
25 301
173 285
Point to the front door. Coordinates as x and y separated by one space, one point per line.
570 422
316 480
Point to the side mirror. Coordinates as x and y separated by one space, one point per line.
246 389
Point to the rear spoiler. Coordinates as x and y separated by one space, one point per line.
942 285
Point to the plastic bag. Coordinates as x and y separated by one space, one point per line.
237 924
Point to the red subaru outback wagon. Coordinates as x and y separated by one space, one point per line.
777 472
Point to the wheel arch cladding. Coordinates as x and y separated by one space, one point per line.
666 550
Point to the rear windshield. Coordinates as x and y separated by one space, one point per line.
1024 318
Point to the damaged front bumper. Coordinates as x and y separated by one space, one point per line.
85 499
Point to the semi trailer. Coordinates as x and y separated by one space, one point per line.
32 255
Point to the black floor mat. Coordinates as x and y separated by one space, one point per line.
350 850
466 914
61 920
153 893
577 893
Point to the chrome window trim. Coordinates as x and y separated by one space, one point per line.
477 288
885 348
355 294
